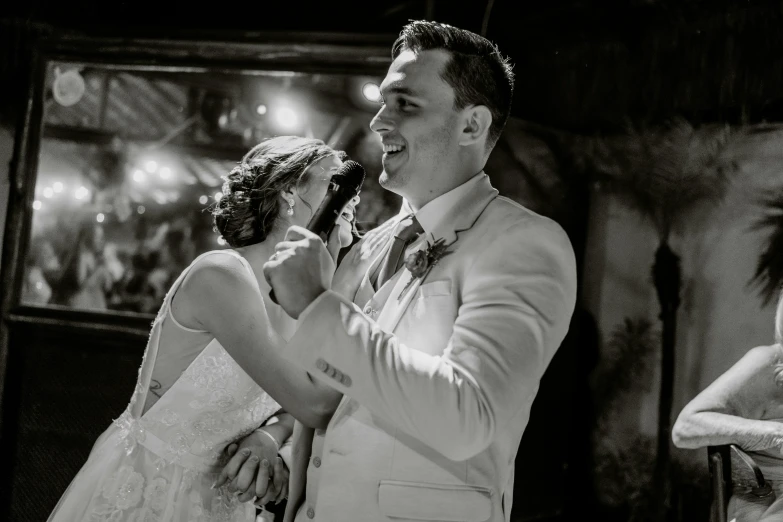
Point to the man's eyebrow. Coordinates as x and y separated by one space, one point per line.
398 89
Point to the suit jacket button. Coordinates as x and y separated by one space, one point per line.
368 310
310 513
317 462
331 372
321 364
346 381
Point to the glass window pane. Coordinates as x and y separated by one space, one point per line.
131 162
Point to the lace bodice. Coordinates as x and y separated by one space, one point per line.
210 406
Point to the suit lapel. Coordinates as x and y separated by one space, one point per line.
366 289
462 216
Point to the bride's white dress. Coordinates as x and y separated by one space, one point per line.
159 465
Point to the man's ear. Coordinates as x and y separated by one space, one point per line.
477 120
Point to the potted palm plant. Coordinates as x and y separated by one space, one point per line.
768 277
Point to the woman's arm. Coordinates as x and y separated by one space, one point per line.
281 430
729 411
220 296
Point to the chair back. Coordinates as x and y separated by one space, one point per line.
727 462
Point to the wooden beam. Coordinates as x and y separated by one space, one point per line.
104 106
103 138
342 55
338 131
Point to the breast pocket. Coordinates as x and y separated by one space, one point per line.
429 321
442 502
434 289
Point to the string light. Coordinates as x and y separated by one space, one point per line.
286 117
371 92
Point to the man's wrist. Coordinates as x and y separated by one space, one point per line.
304 313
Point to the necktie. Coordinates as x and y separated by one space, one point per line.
406 231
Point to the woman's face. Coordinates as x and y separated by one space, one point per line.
318 176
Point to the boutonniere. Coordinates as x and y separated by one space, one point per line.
420 263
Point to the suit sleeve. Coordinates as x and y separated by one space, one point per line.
517 302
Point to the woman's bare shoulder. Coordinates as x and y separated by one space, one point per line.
218 267
215 279
763 355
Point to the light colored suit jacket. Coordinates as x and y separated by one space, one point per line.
437 384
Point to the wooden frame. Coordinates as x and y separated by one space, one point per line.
720 460
245 53
720 481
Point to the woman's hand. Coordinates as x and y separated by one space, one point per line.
357 261
255 469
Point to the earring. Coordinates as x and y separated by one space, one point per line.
290 210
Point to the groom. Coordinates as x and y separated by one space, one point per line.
440 361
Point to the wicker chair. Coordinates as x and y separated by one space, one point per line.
726 463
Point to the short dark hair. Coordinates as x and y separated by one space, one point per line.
477 72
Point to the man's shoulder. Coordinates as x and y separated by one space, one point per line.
505 214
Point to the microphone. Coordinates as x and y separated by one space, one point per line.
343 187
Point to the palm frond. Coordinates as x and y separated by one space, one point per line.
667 173
626 364
768 277
625 465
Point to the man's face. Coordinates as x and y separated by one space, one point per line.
417 124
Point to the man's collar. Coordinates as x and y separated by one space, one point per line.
430 215
454 211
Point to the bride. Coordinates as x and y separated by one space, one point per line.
211 373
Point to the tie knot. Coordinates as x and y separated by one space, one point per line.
408 229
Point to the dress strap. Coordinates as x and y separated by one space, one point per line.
244 262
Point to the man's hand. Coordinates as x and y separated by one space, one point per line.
300 270
274 486
253 468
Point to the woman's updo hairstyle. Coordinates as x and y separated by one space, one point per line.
250 205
